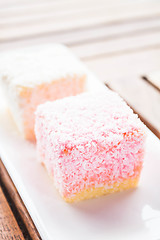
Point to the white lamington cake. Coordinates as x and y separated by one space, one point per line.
31 76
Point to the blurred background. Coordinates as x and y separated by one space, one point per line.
118 40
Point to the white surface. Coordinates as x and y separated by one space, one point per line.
38 64
134 214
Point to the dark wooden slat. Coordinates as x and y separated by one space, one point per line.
142 98
5 178
133 64
135 92
153 79
123 74
9 228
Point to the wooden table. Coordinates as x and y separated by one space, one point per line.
118 40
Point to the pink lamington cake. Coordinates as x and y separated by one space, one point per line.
91 144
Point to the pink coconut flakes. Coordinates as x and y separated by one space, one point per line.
90 140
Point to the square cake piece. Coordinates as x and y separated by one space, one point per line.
91 144
33 75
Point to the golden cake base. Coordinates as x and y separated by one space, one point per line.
96 192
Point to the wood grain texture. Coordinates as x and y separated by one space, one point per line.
18 203
136 93
117 46
34 10
9 228
126 65
153 79
72 20
92 34
123 74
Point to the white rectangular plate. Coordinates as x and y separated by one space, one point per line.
134 214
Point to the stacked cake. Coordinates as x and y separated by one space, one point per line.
91 144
